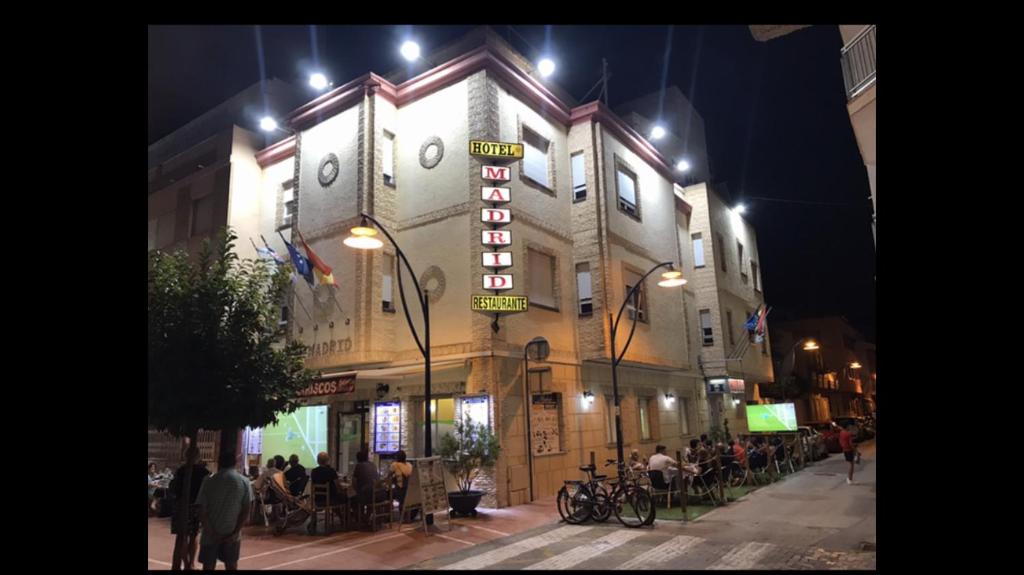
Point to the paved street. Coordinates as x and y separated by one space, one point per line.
811 520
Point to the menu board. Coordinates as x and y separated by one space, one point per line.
387 426
254 440
544 415
426 486
478 409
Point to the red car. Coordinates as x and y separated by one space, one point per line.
830 433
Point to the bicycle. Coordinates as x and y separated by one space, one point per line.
589 498
630 499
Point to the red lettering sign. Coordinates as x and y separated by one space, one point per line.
495 216
496 237
497 282
497 173
496 195
496 259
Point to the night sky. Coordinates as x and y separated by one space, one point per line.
774 113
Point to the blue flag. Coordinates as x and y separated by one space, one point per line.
752 322
301 263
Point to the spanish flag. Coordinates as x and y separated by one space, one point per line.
323 271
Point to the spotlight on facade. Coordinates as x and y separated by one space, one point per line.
669 398
268 124
811 345
318 81
672 278
855 365
362 238
658 132
546 67
410 50
740 208
683 166
588 396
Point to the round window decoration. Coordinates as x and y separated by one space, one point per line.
433 281
328 170
431 152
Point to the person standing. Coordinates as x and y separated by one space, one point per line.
185 547
224 501
849 450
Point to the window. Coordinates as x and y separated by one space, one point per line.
705 327
288 203
698 250
535 157
638 303
645 417
387 291
165 229
609 403
579 178
720 244
753 274
152 234
202 215
583 289
684 417
626 183
542 279
388 159
728 321
743 270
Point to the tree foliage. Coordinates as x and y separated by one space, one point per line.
216 356
471 448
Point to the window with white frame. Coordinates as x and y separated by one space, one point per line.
388 158
579 178
541 279
705 327
535 157
625 181
684 417
609 403
645 417
637 305
288 203
387 290
584 292
698 250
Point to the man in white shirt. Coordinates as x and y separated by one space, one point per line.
663 463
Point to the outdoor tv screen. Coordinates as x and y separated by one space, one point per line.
771 417
302 432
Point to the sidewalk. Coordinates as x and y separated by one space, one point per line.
385 549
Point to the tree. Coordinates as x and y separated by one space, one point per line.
216 360
472 448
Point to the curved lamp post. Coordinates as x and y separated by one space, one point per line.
670 278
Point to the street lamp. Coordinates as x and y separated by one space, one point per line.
362 238
790 360
670 278
539 349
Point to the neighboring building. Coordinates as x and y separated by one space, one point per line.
594 206
727 281
827 386
858 59
685 138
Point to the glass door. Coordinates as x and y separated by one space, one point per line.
350 439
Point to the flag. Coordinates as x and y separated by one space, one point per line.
752 320
759 329
300 262
323 271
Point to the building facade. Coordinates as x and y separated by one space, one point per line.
858 61
827 381
593 207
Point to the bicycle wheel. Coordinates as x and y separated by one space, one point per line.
562 502
581 505
571 506
633 507
602 508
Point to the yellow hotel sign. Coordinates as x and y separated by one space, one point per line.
496 149
500 303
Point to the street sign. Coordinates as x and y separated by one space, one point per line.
500 303
718 385
506 150
496 173
496 259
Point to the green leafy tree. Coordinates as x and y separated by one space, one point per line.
469 450
215 350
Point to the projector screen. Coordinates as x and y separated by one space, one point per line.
302 432
772 417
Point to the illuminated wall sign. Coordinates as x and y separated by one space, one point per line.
737 386
496 173
495 216
496 259
496 238
497 281
496 195
500 303
496 149
718 385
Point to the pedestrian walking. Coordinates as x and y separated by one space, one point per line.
849 450
224 502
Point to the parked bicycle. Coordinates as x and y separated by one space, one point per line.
629 499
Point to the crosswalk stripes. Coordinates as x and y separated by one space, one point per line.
582 553
518 548
662 553
743 557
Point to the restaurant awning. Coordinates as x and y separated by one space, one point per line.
399 372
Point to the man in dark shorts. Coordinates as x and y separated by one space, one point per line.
224 500
849 451
177 487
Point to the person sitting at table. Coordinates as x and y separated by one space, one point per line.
636 463
364 478
400 471
154 484
295 476
663 463
322 474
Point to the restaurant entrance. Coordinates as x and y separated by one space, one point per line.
351 436
442 421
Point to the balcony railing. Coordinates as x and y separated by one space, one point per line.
858 59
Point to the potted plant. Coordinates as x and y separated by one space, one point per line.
470 449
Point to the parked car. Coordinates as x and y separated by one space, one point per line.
829 433
814 443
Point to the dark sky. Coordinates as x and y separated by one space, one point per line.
774 114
